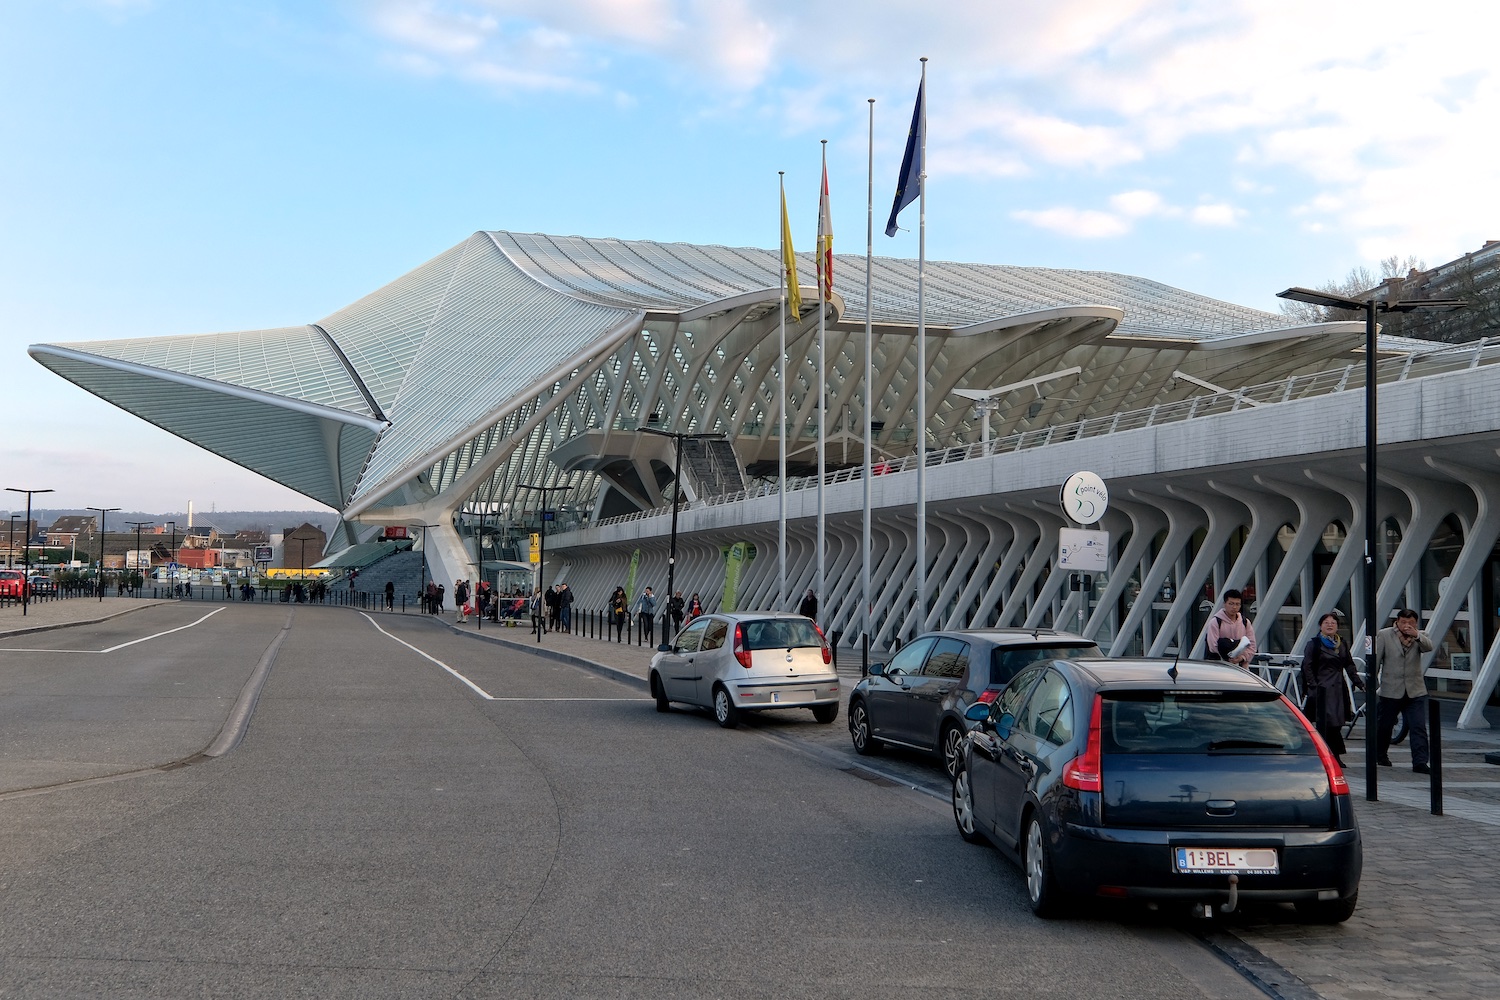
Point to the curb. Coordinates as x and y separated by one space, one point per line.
572 659
82 621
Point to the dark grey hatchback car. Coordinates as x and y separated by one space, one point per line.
1159 781
919 698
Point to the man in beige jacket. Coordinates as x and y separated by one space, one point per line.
1403 688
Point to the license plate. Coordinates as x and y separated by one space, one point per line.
1242 860
775 696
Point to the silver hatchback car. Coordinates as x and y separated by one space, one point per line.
740 662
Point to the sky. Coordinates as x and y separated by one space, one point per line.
192 166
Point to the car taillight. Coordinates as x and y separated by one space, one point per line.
740 652
988 695
1337 783
827 653
1082 772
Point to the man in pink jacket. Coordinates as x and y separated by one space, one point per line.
1227 628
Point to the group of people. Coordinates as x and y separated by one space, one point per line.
1327 661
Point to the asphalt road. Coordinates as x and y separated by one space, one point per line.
386 829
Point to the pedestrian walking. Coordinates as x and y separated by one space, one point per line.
1226 630
1326 661
390 595
1403 688
565 607
553 600
461 599
809 606
645 613
675 608
694 608
619 610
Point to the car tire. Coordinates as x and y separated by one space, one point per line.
860 732
1331 911
725 712
963 809
1036 863
659 692
824 714
950 745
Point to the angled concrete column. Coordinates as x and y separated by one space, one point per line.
1024 536
1146 522
1224 517
1268 512
1182 520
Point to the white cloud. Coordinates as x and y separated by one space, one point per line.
1138 204
1323 106
1077 222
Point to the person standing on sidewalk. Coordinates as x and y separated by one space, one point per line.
1326 661
1403 687
565 607
645 616
1225 630
390 595
461 599
675 608
809 606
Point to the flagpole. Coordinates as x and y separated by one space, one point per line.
781 602
921 575
824 249
864 572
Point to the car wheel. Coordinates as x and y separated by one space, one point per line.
1041 888
1332 911
865 744
725 714
826 713
963 808
952 744
659 692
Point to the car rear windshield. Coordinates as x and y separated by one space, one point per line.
1007 661
788 633
1148 722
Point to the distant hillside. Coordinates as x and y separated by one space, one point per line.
225 521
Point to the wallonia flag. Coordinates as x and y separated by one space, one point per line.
825 238
789 262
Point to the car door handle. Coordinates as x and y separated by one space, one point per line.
1024 762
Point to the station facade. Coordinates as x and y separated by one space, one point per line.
521 372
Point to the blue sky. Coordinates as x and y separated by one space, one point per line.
187 166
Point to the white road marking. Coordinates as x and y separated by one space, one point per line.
474 687
132 642
572 699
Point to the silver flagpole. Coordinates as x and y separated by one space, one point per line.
822 386
864 572
781 361
921 575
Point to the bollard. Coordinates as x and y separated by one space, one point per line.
1435 753
864 656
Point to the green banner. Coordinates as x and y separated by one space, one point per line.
736 558
635 564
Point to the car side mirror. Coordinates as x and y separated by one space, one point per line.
666 647
978 712
1004 725
877 669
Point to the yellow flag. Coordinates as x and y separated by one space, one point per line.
789 263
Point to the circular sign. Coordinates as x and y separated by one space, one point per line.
1085 498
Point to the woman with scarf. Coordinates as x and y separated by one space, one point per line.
1326 661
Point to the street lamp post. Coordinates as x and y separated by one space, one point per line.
679 436
10 545
1370 306
102 511
138 525
422 591
541 566
172 563
26 587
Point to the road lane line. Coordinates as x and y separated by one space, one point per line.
111 649
475 687
633 700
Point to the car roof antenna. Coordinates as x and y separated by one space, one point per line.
1172 670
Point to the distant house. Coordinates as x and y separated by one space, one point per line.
66 530
302 546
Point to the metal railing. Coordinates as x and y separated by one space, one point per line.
1399 369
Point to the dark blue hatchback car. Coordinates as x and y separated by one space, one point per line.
1159 781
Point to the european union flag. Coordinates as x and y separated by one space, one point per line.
910 184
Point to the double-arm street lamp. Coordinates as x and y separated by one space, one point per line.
172 562
1371 306
10 547
102 511
422 591
546 515
138 525
26 586
680 436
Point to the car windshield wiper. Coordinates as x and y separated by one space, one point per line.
1245 745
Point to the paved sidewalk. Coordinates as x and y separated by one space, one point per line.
1429 913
